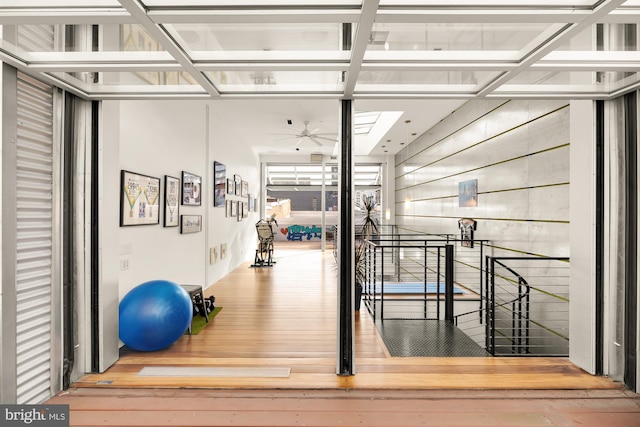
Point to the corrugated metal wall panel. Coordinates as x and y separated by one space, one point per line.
34 229
36 38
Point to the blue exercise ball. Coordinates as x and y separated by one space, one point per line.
154 314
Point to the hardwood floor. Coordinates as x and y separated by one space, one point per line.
284 317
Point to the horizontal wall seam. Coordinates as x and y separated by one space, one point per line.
501 162
505 190
520 251
490 246
548 221
453 133
482 141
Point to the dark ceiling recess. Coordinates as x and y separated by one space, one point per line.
289 122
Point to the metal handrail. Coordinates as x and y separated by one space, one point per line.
519 307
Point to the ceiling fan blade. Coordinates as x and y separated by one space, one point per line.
286 138
282 134
323 138
315 141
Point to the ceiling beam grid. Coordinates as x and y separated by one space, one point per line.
135 8
563 36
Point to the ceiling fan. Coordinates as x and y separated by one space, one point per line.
311 135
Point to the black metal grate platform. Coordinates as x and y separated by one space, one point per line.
427 338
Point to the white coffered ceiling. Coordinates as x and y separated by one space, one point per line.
376 52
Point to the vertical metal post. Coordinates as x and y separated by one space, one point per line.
492 309
382 292
424 275
448 284
323 208
600 235
398 261
438 276
481 274
527 317
381 284
346 275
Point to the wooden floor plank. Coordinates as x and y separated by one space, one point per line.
284 316
145 407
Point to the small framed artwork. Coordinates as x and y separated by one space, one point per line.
234 209
245 210
171 201
191 189
219 183
467 226
231 186
468 193
223 250
213 255
190 224
229 208
252 203
139 199
244 191
239 214
238 185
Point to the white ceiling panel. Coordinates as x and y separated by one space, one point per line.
445 51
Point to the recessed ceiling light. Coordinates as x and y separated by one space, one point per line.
402 143
407 121
388 140
414 134
383 146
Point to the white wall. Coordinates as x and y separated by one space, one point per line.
583 250
519 153
240 237
160 138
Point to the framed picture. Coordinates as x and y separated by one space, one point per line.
219 183
190 224
229 208
239 214
191 189
231 186
252 203
234 208
245 210
244 190
171 201
467 226
238 185
139 199
468 193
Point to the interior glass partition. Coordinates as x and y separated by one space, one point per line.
297 197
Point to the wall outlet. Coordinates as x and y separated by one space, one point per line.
124 263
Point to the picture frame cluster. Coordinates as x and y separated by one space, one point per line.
141 202
239 202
